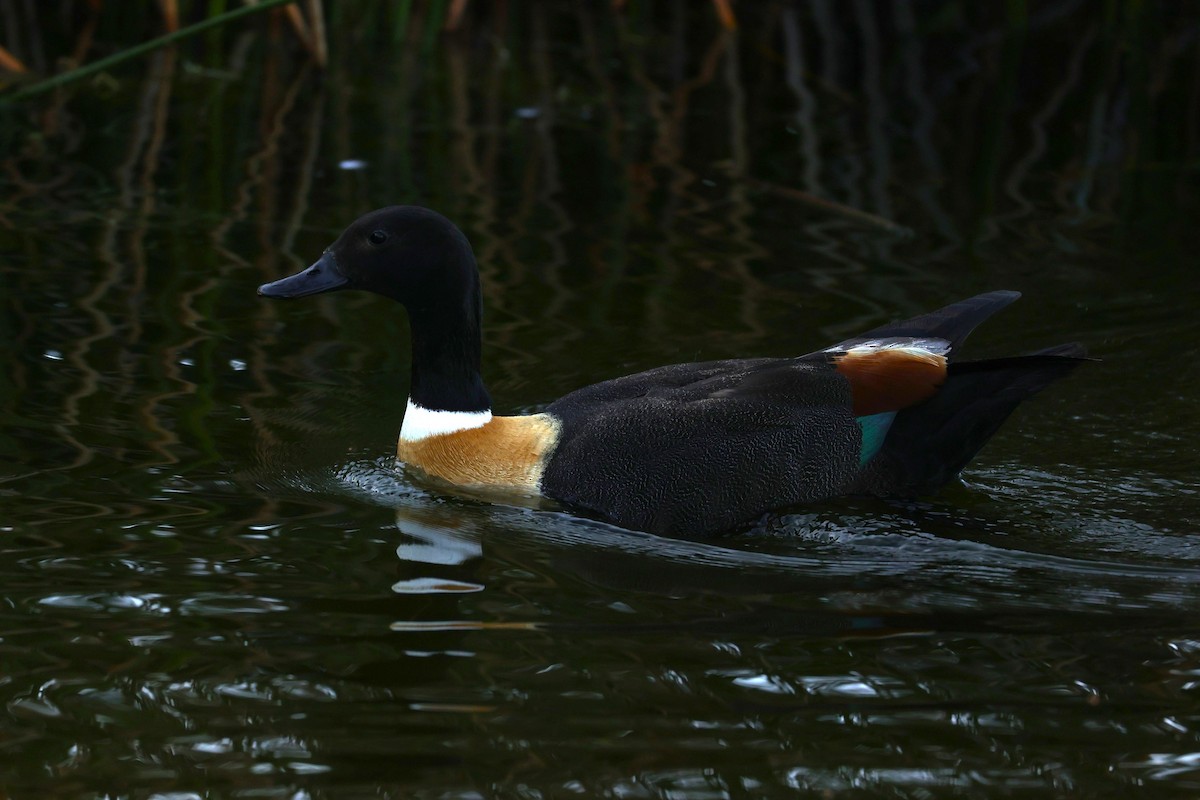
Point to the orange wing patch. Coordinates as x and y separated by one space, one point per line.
507 452
890 378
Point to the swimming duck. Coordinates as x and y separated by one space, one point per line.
688 448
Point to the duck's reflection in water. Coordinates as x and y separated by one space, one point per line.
542 570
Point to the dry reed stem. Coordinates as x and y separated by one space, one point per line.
170 12
725 14
454 15
316 13
311 33
10 62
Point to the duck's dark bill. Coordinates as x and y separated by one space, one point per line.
323 276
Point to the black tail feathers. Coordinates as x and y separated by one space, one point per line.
930 443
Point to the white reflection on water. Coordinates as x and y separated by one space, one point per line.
436 545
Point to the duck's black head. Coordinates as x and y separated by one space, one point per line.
410 254
422 260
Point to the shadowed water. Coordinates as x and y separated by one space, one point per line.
214 581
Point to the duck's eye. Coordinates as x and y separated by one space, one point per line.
377 237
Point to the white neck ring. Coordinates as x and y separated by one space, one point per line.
421 423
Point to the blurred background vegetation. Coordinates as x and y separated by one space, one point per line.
643 167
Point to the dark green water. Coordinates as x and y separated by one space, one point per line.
213 583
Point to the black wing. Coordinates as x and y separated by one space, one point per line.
700 448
